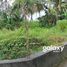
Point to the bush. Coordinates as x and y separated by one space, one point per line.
34 24
62 25
62 16
12 44
65 14
9 21
47 20
10 49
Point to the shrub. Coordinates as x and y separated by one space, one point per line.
12 44
34 24
10 49
65 14
62 25
9 21
47 20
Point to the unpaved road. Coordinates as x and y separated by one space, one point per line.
63 64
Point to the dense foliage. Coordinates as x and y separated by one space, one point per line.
20 37
12 44
11 17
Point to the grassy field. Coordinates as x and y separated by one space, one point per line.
12 42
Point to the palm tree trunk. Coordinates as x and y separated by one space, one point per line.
60 5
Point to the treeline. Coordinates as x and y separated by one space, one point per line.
14 16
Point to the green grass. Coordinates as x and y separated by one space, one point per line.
12 42
53 35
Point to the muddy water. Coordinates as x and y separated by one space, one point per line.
63 64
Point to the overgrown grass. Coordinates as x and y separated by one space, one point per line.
12 42
53 35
